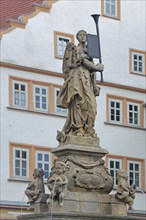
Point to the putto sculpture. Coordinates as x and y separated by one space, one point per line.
125 192
57 183
79 90
35 188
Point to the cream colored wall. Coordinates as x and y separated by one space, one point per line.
34 47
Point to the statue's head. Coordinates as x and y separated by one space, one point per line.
38 173
81 36
60 167
122 174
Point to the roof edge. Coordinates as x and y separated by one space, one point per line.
22 20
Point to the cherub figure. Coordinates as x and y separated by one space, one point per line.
125 192
57 183
36 187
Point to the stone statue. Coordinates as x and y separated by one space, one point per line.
79 90
35 189
57 183
125 192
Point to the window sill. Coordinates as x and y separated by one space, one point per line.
19 180
125 126
22 180
137 191
138 74
110 17
37 112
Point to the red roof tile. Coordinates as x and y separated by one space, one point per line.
12 9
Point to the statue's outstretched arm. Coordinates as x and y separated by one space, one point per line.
91 66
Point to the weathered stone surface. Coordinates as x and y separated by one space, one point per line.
87 153
93 203
40 205
57 184
79 140
87 171
125 192
79 90
75 216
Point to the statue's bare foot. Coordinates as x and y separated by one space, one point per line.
49 202
30 208
60 136
29 201
61 204
131 208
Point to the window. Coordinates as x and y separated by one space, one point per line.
20 163
115 110
125 111
110 8
34 96
59 110
43 162
137 61
133 113
19 94
135 168
25 158
40 98
134 171
61 40
114 165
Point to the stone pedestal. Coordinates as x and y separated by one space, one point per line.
87 172
89 184
40 205
75 216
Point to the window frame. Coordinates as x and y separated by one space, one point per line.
62 111
13 94
125 160
140 171
114 169
41 95
67 36
117 9
32 84
110 108
137 52
27 163
43 162
133 112
31 149
124 113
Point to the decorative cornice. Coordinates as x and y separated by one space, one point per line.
30 69
23 19
120 86
60 75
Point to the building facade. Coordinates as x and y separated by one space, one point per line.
32 49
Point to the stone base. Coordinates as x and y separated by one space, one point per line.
91 203
74 216
87 149
87 205
40 205
71 139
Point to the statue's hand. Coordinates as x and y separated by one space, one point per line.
100 67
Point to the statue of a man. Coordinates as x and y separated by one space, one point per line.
79 89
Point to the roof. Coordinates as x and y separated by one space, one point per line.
12 9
